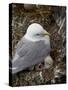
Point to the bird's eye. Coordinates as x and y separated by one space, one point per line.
37 34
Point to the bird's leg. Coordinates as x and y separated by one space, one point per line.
48 62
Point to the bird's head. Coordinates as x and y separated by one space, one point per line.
36 31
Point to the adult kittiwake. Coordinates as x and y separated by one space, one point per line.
32 49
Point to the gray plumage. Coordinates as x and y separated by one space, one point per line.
32 48
30 53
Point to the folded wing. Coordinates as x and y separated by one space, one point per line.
29 53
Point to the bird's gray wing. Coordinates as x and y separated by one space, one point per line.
20 44
34 53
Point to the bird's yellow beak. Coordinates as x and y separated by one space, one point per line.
46 33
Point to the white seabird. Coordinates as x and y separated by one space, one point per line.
32 49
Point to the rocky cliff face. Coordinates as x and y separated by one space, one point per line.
53 19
